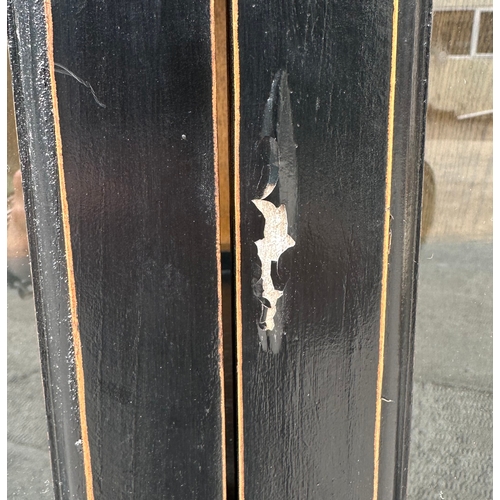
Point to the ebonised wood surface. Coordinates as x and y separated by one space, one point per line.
328 107
311 403
135 101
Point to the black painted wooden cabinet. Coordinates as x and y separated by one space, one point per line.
304 390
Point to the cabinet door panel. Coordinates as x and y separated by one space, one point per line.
327 113
120 178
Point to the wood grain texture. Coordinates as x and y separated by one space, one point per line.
136 104
221 57
308 420
328 107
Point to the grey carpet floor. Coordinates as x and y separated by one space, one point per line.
451 455
28 463
451 450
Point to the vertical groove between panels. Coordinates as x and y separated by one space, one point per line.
237 251
217 246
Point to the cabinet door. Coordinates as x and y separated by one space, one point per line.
117 118
115 111
328 126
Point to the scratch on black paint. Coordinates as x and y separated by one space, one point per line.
59 68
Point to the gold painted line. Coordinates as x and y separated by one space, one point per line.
237 252
217 247
80 379
386 250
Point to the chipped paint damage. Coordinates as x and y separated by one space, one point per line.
277 203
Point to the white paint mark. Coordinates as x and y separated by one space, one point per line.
275 242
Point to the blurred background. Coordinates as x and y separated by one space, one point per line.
451 439
451 448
